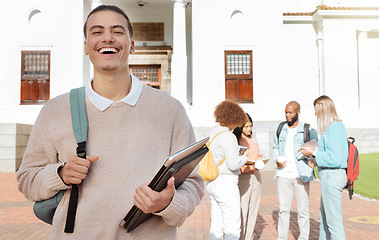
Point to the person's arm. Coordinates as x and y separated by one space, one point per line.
335 147
174 206
252 154
37 176
229 146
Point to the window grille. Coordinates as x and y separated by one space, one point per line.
238 63
239 76
147 74
35 77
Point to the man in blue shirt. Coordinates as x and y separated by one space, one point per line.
293 172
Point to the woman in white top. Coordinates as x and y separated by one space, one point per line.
223 191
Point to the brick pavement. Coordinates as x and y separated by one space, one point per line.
361 217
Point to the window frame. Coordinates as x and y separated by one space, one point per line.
242 88
35 87
147 67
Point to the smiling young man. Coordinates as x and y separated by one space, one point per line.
293 174
132 129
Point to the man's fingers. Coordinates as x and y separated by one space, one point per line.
171 184
142 197
92 159
76 169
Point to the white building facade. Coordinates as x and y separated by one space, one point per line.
262 54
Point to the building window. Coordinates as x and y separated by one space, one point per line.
147 74
35 77
239 76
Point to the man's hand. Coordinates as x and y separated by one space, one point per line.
280 164
76 168
150 201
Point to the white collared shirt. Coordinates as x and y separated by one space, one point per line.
103 103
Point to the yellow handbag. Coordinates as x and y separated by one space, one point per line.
207 167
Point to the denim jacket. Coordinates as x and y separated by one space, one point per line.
305 172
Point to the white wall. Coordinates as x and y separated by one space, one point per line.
352 72
300 59
285 59
56 29
258 28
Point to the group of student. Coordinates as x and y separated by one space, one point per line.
132 129
235 193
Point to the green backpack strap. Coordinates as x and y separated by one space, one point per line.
79 118
80 127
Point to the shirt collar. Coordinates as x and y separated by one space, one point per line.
103 103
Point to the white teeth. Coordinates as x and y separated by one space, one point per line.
107 50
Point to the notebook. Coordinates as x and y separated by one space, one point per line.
180 165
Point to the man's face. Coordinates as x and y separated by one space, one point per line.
292 114
108 43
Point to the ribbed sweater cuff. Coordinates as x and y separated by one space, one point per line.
55 183
174 214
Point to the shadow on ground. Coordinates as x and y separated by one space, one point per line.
294 227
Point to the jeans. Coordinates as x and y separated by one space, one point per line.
225 208
331 224
286 187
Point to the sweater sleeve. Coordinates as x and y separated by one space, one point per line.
230 146
333 148
37 176
189 194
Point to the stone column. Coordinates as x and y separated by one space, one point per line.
179 57
361 64
321 66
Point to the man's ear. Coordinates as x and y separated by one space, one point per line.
132 47
85 48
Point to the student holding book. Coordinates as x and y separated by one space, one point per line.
331 159
132 129
223 191
250 182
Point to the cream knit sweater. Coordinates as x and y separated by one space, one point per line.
132 143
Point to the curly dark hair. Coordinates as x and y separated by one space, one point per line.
230 114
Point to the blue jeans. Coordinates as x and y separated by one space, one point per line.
331 224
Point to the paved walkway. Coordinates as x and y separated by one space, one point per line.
361 217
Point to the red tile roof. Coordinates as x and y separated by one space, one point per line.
323 7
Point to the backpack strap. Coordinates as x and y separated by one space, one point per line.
79 118
223 160
306 135
80 128
279 129
215 137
